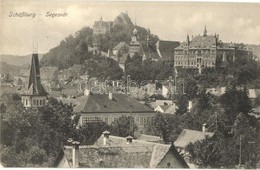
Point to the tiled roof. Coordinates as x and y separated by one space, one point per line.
123 58
203 42
200 41
121 45
165 107
118 154
190 136
150 138
100 103
171 109
159 102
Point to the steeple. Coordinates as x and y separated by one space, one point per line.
205 31
188 40
35 95
34 86
135 36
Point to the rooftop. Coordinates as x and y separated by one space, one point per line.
100 103
190 136
118 154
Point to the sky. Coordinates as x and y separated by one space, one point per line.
234 22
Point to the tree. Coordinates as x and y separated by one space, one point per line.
123 126
182 103
165 126
34 136
206 153
89 132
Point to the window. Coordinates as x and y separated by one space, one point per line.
137 119
26 102
40 102
148 120
37 101
145 123
141 121
90 119
34 102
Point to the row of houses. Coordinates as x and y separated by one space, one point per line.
146 151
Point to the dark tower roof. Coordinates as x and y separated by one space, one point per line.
35 87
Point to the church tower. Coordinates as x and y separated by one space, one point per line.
205 31
35 95
135 46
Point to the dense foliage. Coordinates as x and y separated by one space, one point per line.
123 126
227 116
103 68
147 70
33 137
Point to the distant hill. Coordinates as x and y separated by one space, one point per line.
18 60
74 49
8 68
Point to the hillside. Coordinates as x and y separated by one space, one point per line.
6 68
74 49
17 60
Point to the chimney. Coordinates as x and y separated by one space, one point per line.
204 127
105 137
75 154
189 106
110 95
129 139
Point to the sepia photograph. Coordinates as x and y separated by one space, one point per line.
129 84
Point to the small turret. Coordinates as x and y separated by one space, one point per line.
205 31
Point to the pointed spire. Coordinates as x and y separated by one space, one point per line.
34 86
188 39
35 48
205 31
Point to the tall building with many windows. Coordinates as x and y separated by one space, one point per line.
208 51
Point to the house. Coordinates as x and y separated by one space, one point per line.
157 103
120 49
218 91
118 152
168 109
108 107
150 138
188 136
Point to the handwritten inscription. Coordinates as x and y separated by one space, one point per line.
33 15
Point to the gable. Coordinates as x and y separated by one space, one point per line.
172 160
